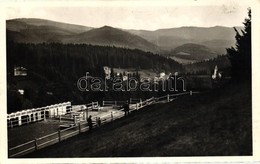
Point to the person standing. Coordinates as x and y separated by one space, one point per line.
99 121
96 121
112 117
89 120
126 108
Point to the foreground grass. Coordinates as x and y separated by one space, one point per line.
214 123
26 133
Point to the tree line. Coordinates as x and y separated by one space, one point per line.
54 68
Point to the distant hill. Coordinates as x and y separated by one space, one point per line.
28 23
31 30
219 45
110 36
40 30
217 38
194 52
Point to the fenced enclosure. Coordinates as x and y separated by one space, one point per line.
60 135
112 103
78 127
37 114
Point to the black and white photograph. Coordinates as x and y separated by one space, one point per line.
129 79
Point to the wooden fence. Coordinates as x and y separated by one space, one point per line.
80 127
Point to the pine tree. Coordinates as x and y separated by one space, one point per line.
240 55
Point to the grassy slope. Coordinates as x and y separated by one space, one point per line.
213 123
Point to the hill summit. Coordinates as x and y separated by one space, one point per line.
32 30
110 36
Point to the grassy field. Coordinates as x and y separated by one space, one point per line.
22 134
213 123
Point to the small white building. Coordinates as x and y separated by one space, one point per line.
125 78
20 71
21 91
162 75
107 71
216 74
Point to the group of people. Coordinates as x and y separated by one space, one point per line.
98 120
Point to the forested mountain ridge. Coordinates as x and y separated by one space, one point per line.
30 30
45 31
30 23
217 38
109 36
56 57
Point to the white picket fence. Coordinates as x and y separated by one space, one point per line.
80 127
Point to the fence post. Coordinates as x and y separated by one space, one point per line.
79 128
103 103
19 121
59 135
168 98
35 144
84 115
191 93
75 121
44 115
87 113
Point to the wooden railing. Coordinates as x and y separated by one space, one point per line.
80 127
24 121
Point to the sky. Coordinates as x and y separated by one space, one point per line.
137 17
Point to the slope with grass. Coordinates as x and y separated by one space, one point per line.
193 52
213 123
